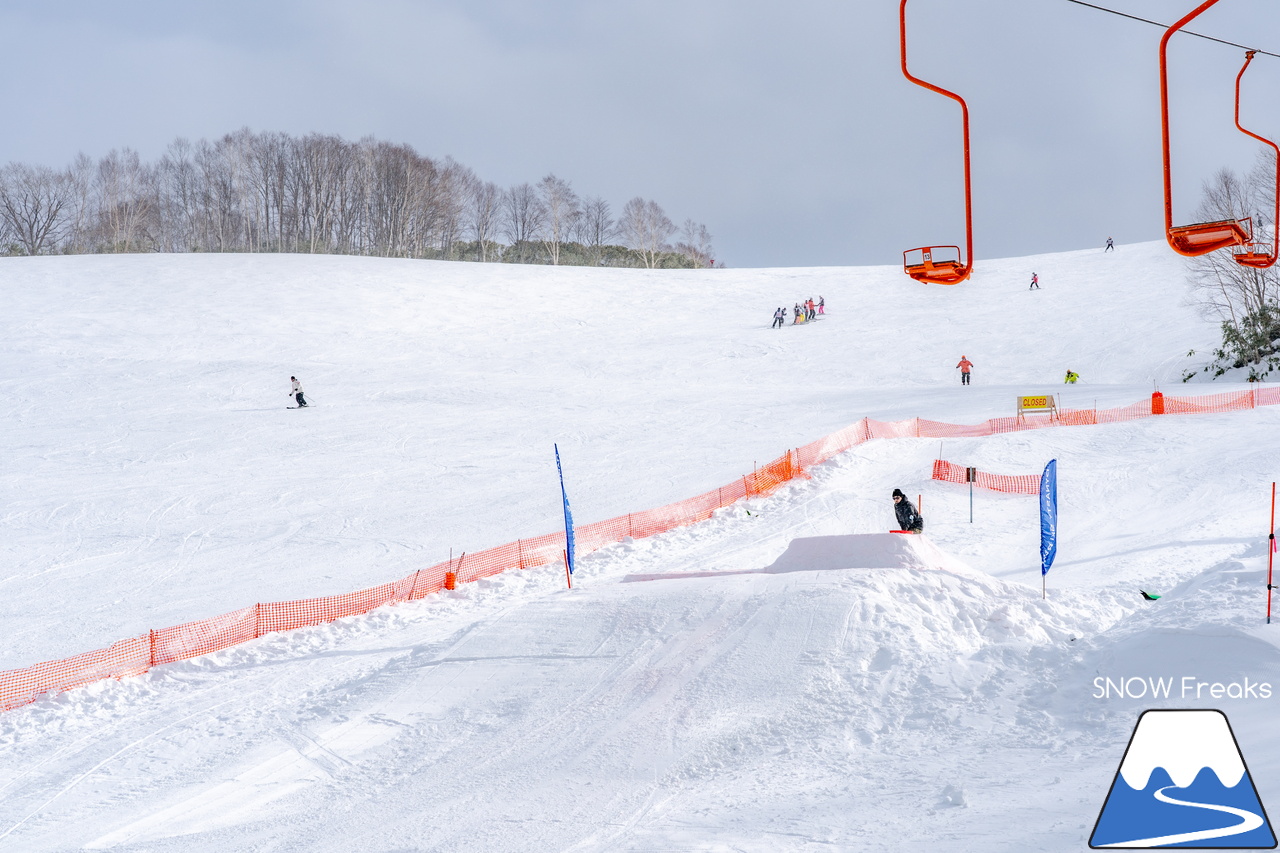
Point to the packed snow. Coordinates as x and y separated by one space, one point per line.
787 676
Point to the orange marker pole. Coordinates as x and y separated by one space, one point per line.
568 577
1271 549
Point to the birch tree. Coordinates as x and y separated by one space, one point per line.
646 228
560 212
126 194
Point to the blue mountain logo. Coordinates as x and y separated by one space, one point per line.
1183 783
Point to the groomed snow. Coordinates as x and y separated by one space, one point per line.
682 696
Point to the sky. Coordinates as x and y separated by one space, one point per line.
792 135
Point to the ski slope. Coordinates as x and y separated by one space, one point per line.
756 682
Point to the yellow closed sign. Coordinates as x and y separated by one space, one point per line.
1035 402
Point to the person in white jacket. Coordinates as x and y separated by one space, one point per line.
297 392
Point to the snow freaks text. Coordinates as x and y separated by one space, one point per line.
1186 687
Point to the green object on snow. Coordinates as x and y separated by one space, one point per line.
1148 596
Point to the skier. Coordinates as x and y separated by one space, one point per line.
1072 378
1035 282
965 366
810 309
1111 247
821 305
297 392
797 317
908 519
779 317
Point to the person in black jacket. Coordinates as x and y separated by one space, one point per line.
908 519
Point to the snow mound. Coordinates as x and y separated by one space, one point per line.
864 551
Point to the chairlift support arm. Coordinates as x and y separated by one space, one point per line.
964 113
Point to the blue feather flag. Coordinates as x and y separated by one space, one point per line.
1048 516
568 514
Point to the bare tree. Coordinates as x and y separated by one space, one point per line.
1246 299
596 228
126 194
521 218
321 170
32 204
1225 288
256 192
646 228
79 235
483 210
560 213
695 244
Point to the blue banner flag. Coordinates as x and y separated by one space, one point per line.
1048 515
568 515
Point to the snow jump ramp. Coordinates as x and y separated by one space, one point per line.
863 551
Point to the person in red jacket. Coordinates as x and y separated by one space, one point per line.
965 366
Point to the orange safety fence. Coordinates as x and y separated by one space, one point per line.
1015 484
183 642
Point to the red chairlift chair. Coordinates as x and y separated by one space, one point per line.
1258 255
926 267
1203 237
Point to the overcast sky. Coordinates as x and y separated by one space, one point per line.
788 129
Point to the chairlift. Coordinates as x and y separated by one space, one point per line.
1258 255
1203 237
927 266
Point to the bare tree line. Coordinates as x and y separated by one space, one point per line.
270 192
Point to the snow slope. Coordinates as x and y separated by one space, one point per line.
681 696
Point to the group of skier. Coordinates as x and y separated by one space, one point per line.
802 312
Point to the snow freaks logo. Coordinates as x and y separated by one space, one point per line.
1183 783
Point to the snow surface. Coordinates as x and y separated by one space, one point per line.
681 696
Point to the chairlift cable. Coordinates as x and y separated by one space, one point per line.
1166 26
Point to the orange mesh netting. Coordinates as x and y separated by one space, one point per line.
182 642
1017 484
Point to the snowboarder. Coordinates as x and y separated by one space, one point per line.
796 316
1111 247
908 519
1035 282
779 317
297 392
821 305
1072 378
965 366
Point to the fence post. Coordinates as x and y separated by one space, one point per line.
520 552
257 621
151 660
